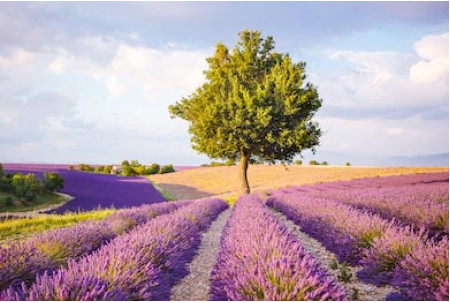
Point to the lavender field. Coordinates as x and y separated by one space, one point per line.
368 239
92 191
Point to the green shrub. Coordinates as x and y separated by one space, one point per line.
85 167
167 169
313 162
53 182
153 169
125 163
140 170
108 169
298 162
26 187
6 201
128 171
347 164
324 163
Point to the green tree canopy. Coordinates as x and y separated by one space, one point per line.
255 104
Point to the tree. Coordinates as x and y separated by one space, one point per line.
313 162
324 163
167 169
298 162
255 104
125 163
347 164
26 186
153 169
53 182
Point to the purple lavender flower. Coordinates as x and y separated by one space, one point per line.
139 265
22 261
260 260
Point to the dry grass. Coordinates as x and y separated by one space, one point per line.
213 181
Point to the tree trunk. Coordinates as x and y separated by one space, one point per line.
243 166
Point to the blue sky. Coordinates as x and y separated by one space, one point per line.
91 81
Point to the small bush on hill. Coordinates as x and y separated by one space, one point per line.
26 186
298 162
313 162
167 169
153 169
53 182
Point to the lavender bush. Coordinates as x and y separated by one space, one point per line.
22 261
383 247
260 260
139 265
423 274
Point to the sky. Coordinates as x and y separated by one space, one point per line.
90 82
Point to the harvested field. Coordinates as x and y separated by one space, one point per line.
210 181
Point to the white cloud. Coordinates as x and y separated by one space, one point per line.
388 81
395 131
433 67
126 67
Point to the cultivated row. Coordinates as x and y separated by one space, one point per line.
139 265
22 261
388 251
260 260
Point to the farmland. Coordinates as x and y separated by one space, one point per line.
360 239
207 181
92 191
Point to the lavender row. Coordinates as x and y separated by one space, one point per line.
413 205
22 261
380 245
139 265
420 200
260 260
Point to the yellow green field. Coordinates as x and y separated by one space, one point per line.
211 181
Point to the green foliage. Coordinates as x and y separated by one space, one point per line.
134 163
255 104
128 171
334 264
140 170
125 163
85 167
354 294
53 182
153 169
298 162
313 162
347 164
6 201
344 274
324 163
167 169
26 186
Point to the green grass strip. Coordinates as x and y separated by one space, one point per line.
18 228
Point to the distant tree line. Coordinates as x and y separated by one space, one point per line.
27 187
129 168
314 162
134 168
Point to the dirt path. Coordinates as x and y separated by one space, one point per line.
365 292
196 285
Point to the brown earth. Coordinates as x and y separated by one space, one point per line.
220 181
